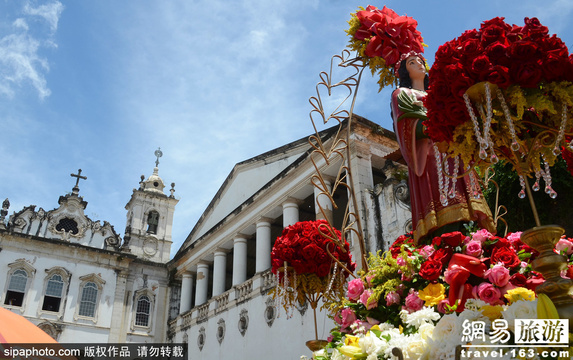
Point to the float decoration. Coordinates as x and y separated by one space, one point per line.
505 93
309 265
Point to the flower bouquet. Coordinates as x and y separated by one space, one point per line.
381 37
310 262
503 92
420 298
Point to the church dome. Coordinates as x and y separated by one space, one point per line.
154 183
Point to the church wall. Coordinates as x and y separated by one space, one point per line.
77 263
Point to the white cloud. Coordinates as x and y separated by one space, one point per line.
20 59
50 12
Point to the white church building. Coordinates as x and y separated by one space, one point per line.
77 280
82 282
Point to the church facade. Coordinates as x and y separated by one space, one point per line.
82 282
78 280
225 305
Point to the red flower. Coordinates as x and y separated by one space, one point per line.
555 67
453 239
534 29
499 75
518 280
303 247
431 269
506 256
443 255
536 280
527 75
481 67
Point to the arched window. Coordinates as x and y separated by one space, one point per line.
16 288
88 299
143 311
53 295
152 222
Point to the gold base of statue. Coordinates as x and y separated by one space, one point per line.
550 264
315 345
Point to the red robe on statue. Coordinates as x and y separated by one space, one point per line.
428 213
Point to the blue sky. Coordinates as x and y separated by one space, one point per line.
99 85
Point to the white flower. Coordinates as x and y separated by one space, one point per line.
474 304
439 349
414 348
320 352
521 309
426 330
422 316
473 316
337 355
370 344
449 326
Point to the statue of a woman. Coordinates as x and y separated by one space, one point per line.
430 215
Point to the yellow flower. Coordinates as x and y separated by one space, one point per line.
351 340
351 348
519 293
492 311
353 352
432 294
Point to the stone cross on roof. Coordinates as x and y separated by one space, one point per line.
79 176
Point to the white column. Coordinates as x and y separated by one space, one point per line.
202 283
239 260
186 291
290 212
324 201
263 245
219 272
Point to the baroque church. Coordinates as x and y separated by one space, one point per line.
80 281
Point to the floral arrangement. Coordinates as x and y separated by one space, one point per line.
381 36
411 292
310 258
529 75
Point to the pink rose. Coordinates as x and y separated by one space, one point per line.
369 279
401 262
513 237
364 300
427 251
481 235
451 273
498 275
348 317
355 289
488 293
392 298
473 248
442 309
413 302
565 246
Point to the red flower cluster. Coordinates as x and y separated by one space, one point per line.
389 34
482 265
303 247
498 53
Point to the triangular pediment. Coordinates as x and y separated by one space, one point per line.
245 180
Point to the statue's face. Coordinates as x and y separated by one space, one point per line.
416 68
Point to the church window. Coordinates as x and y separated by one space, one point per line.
88 300
53 295
152 222
16 288
68 225
143 311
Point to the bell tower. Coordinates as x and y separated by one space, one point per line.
150 218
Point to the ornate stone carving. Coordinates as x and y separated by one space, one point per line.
243 321
221 329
